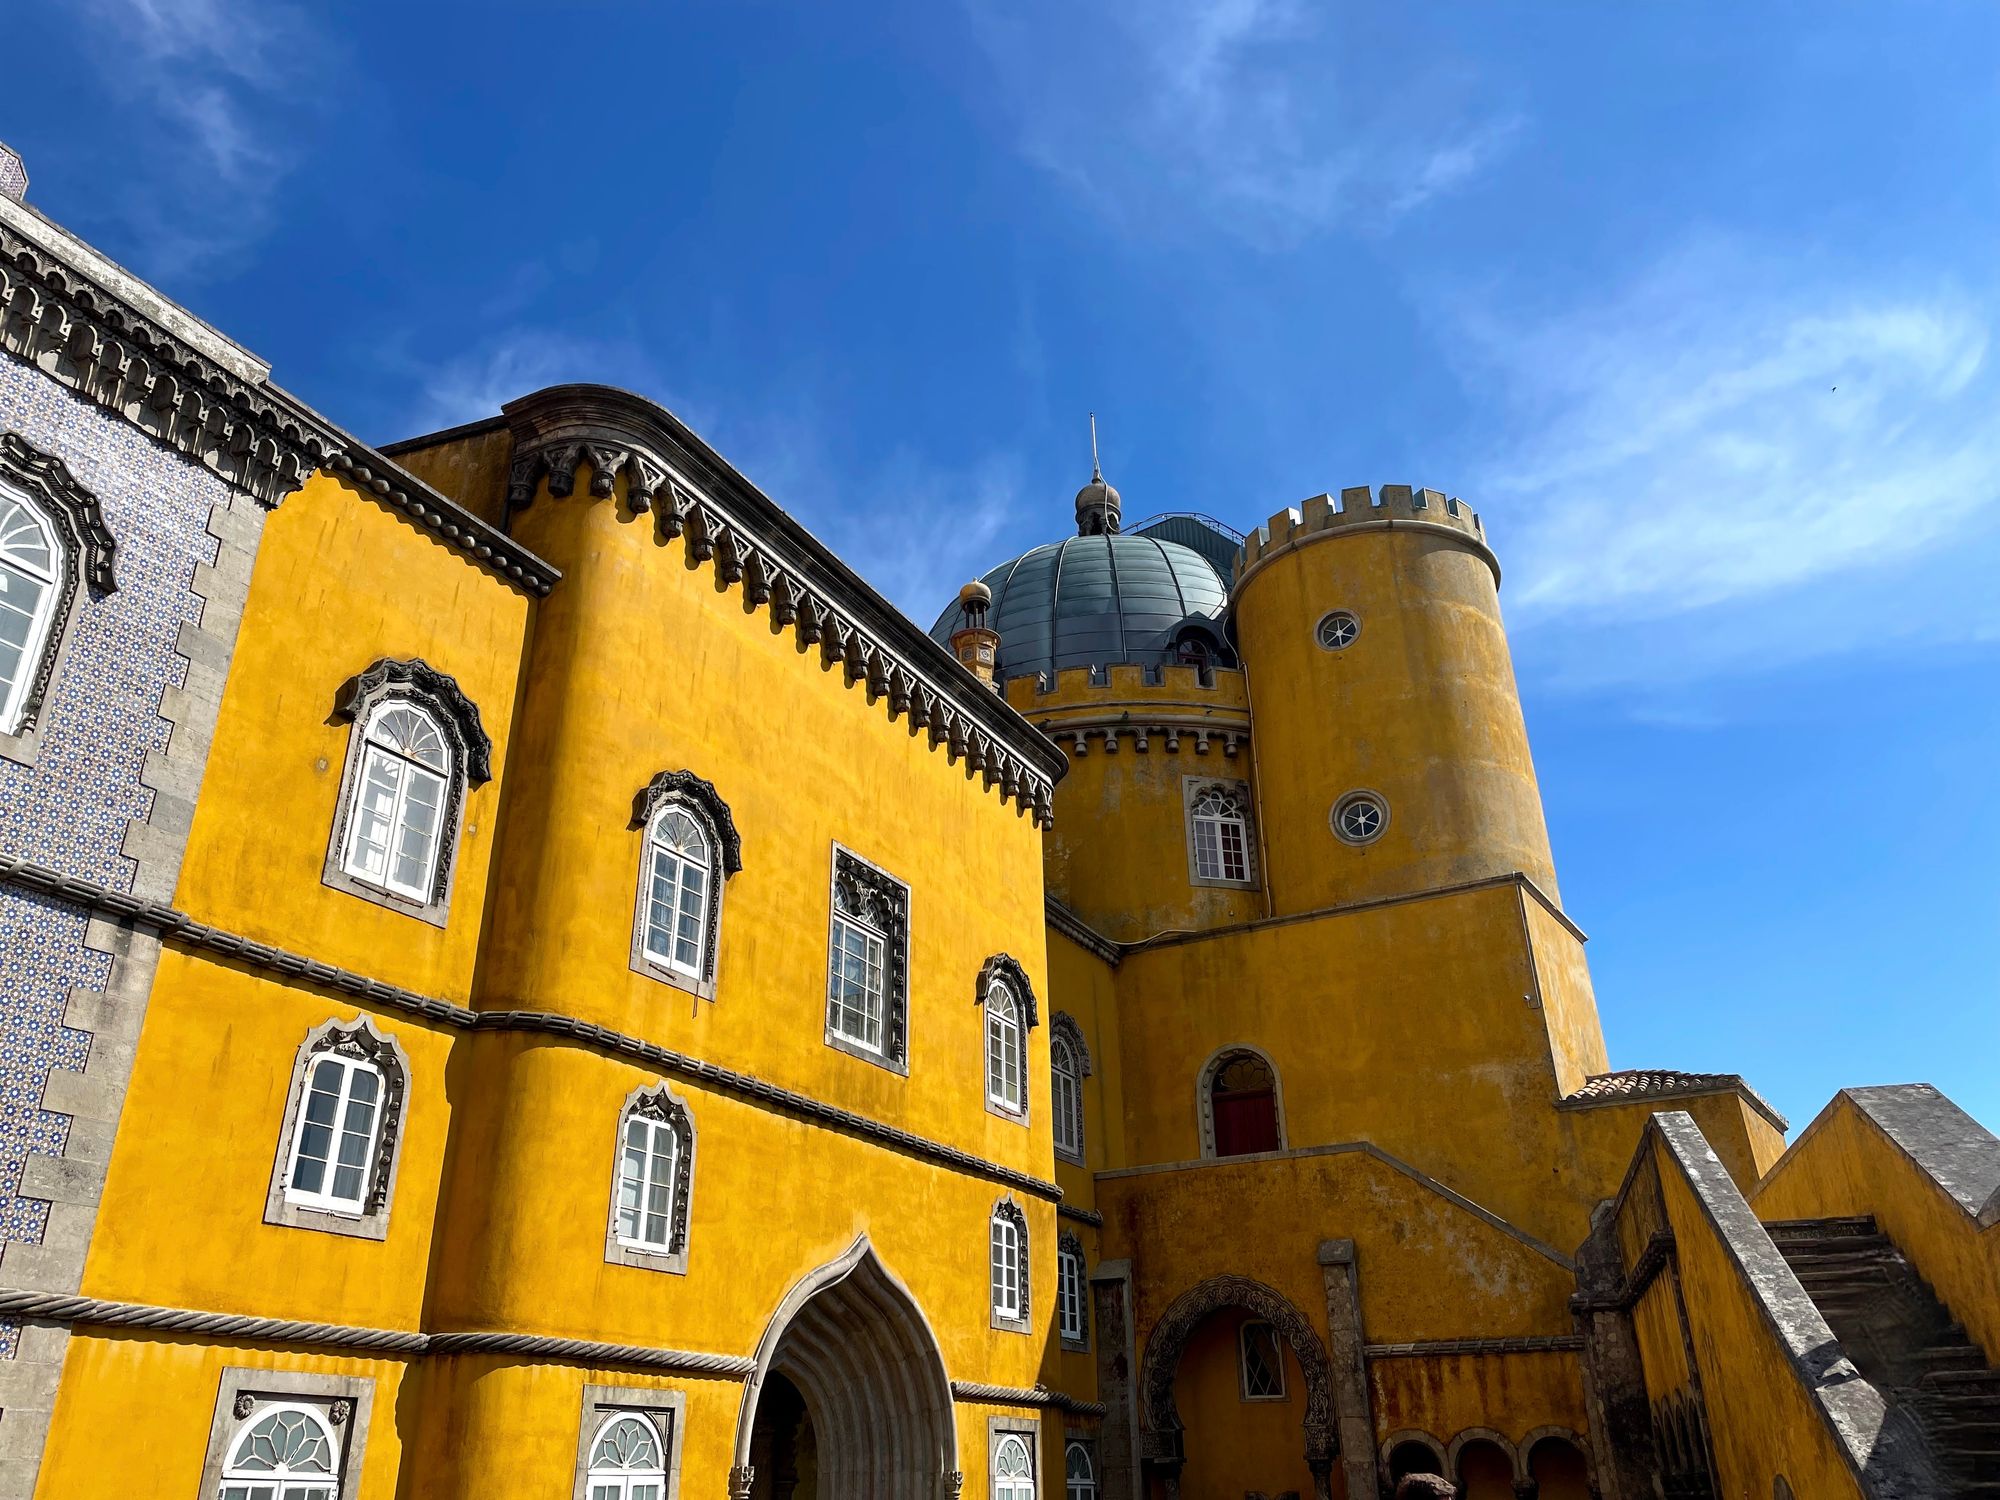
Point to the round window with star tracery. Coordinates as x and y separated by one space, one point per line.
1360 817
1336 631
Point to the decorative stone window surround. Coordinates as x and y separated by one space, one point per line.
1028 1429
619 436
1003 969
361 1038
1010 1211
417 682
659 1102
666 1410
1064 1029
1193 789
88 552
889 899
346 1401
1205 1092
1068 1244
700 800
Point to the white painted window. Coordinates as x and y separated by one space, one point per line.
648 1159
1069 1294
1009 1270
1221 837
282 1453
627 1461
854 980
1079 1473
1004 1049
1263 1362
1066 1096
31 578
338 1123
677 892
1013 1468
395 826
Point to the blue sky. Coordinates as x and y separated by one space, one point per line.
1693 302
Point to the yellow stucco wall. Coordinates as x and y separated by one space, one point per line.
1235 1446
1844 1165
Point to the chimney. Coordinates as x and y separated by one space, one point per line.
13 175
973 643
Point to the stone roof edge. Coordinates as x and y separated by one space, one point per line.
690 460
1885 1465
1725 1083
86 322
1950 1147
1080 932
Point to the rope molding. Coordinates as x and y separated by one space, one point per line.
1081 1214
1015 1395
169 923
1555 1343
52 1307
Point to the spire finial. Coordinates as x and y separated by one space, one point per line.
1096 473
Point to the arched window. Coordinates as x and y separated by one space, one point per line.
1066 1096
649 1201
31 593
282 1453
394 831
1260 1362
1239 1105
1013 1469
1079 1473
417 745
1005 1050
1219 833
1072 1322
627 1461
868 952
1008 1241
691 849
342 1123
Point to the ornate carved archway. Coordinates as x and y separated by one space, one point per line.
1162 1440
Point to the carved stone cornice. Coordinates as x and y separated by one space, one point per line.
685 786
1005 968
417 678
727 523
76 509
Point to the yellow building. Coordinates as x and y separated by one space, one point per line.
607 1007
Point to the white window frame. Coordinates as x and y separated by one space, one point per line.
887 948
327 1200
874 1007
1196 792
1013 1487
665 1411
237 1483
661 1111
658 1144
1075 1487
342 1404
374 751
697 977
605 1483
1006 1051
1072 1294
1065 1097
1007 1266
356 1043
44 616
1243 1359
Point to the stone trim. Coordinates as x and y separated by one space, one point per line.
43 1307
1404 1435
1005 967
1655 1257
1554 1343
655 1102
359 1037
1600 1091
666 1410
1193 788
1366 1148
346 1402
1029 1430
389 679
1064 1029
1081 1214
1064 1025
156 918
1204 1097
1120 1474
1155 734
1068 1244
978 1393
1938 1138
726 522
1080 932
1002 969
86 548
700 801
1010 1211
862 889
1347 1364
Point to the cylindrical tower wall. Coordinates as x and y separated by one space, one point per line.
1418 708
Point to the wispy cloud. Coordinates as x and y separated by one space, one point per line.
474 384
1713 469
1248 112
221 85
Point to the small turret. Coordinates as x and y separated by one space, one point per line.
975 644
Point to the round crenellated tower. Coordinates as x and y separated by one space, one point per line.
1391 750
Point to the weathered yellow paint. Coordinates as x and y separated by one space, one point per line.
1844 1165
1235 1445
1512 1394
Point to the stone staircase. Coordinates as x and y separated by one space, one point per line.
1903 1341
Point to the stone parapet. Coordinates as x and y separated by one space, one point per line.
1357 509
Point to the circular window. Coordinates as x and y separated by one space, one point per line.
1336 631
1360 817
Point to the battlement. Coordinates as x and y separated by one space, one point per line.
1357 507
1203 689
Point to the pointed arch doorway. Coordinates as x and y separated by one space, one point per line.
849 1395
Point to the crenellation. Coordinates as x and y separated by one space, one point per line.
1358 506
